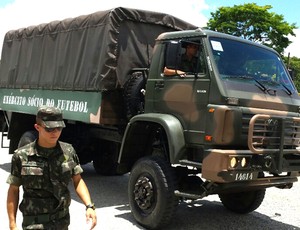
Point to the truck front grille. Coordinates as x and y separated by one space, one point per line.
268 133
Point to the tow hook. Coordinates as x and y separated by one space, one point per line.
268 161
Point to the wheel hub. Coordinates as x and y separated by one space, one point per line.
143 193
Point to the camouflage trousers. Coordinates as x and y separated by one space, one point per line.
54 224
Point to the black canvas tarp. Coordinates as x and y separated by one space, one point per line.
92 52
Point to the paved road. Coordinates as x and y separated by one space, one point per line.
279 211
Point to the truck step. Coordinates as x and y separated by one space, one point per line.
191 163
188 195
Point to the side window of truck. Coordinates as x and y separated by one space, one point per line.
183 58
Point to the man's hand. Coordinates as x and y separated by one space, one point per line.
91 216
174 72
182 74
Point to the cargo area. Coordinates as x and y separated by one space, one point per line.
92 52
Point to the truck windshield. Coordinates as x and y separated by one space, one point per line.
237 61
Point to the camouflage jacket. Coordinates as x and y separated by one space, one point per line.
186 65
44 175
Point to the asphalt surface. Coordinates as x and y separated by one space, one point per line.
280 209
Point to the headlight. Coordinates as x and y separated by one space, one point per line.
233 162
239 162
243 162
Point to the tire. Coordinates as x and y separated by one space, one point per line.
133 95
105 161
27 138
243 202
151 192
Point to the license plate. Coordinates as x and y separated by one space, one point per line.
242 176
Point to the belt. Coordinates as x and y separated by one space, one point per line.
44 218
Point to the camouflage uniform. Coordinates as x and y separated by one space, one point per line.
186 65
44 174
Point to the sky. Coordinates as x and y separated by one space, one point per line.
15 14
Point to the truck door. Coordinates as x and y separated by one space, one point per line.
184 92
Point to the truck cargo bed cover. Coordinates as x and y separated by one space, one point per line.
91 52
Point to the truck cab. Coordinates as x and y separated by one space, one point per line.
232 73
235 81
229 127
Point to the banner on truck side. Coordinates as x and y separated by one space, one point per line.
76 105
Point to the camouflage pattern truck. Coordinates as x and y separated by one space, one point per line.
231 127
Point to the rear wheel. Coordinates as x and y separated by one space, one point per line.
151 192
243 202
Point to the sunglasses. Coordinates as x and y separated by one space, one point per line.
50 130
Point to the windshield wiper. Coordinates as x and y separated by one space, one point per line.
260 85
264 88
237 77
287 90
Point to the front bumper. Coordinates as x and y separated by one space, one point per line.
218 166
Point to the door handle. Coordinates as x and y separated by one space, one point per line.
159 85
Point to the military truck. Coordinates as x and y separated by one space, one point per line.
230 127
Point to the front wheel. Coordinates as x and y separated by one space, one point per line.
243 202
151 192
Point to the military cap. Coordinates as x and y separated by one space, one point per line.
51 117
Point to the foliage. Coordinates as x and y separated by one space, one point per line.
254 23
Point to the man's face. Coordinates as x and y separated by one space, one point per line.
48 137
192 49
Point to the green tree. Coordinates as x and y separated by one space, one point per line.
254 23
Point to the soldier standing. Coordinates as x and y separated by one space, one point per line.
44 168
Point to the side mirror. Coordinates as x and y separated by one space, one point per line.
292 73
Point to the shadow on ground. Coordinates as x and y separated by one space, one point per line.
202 214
